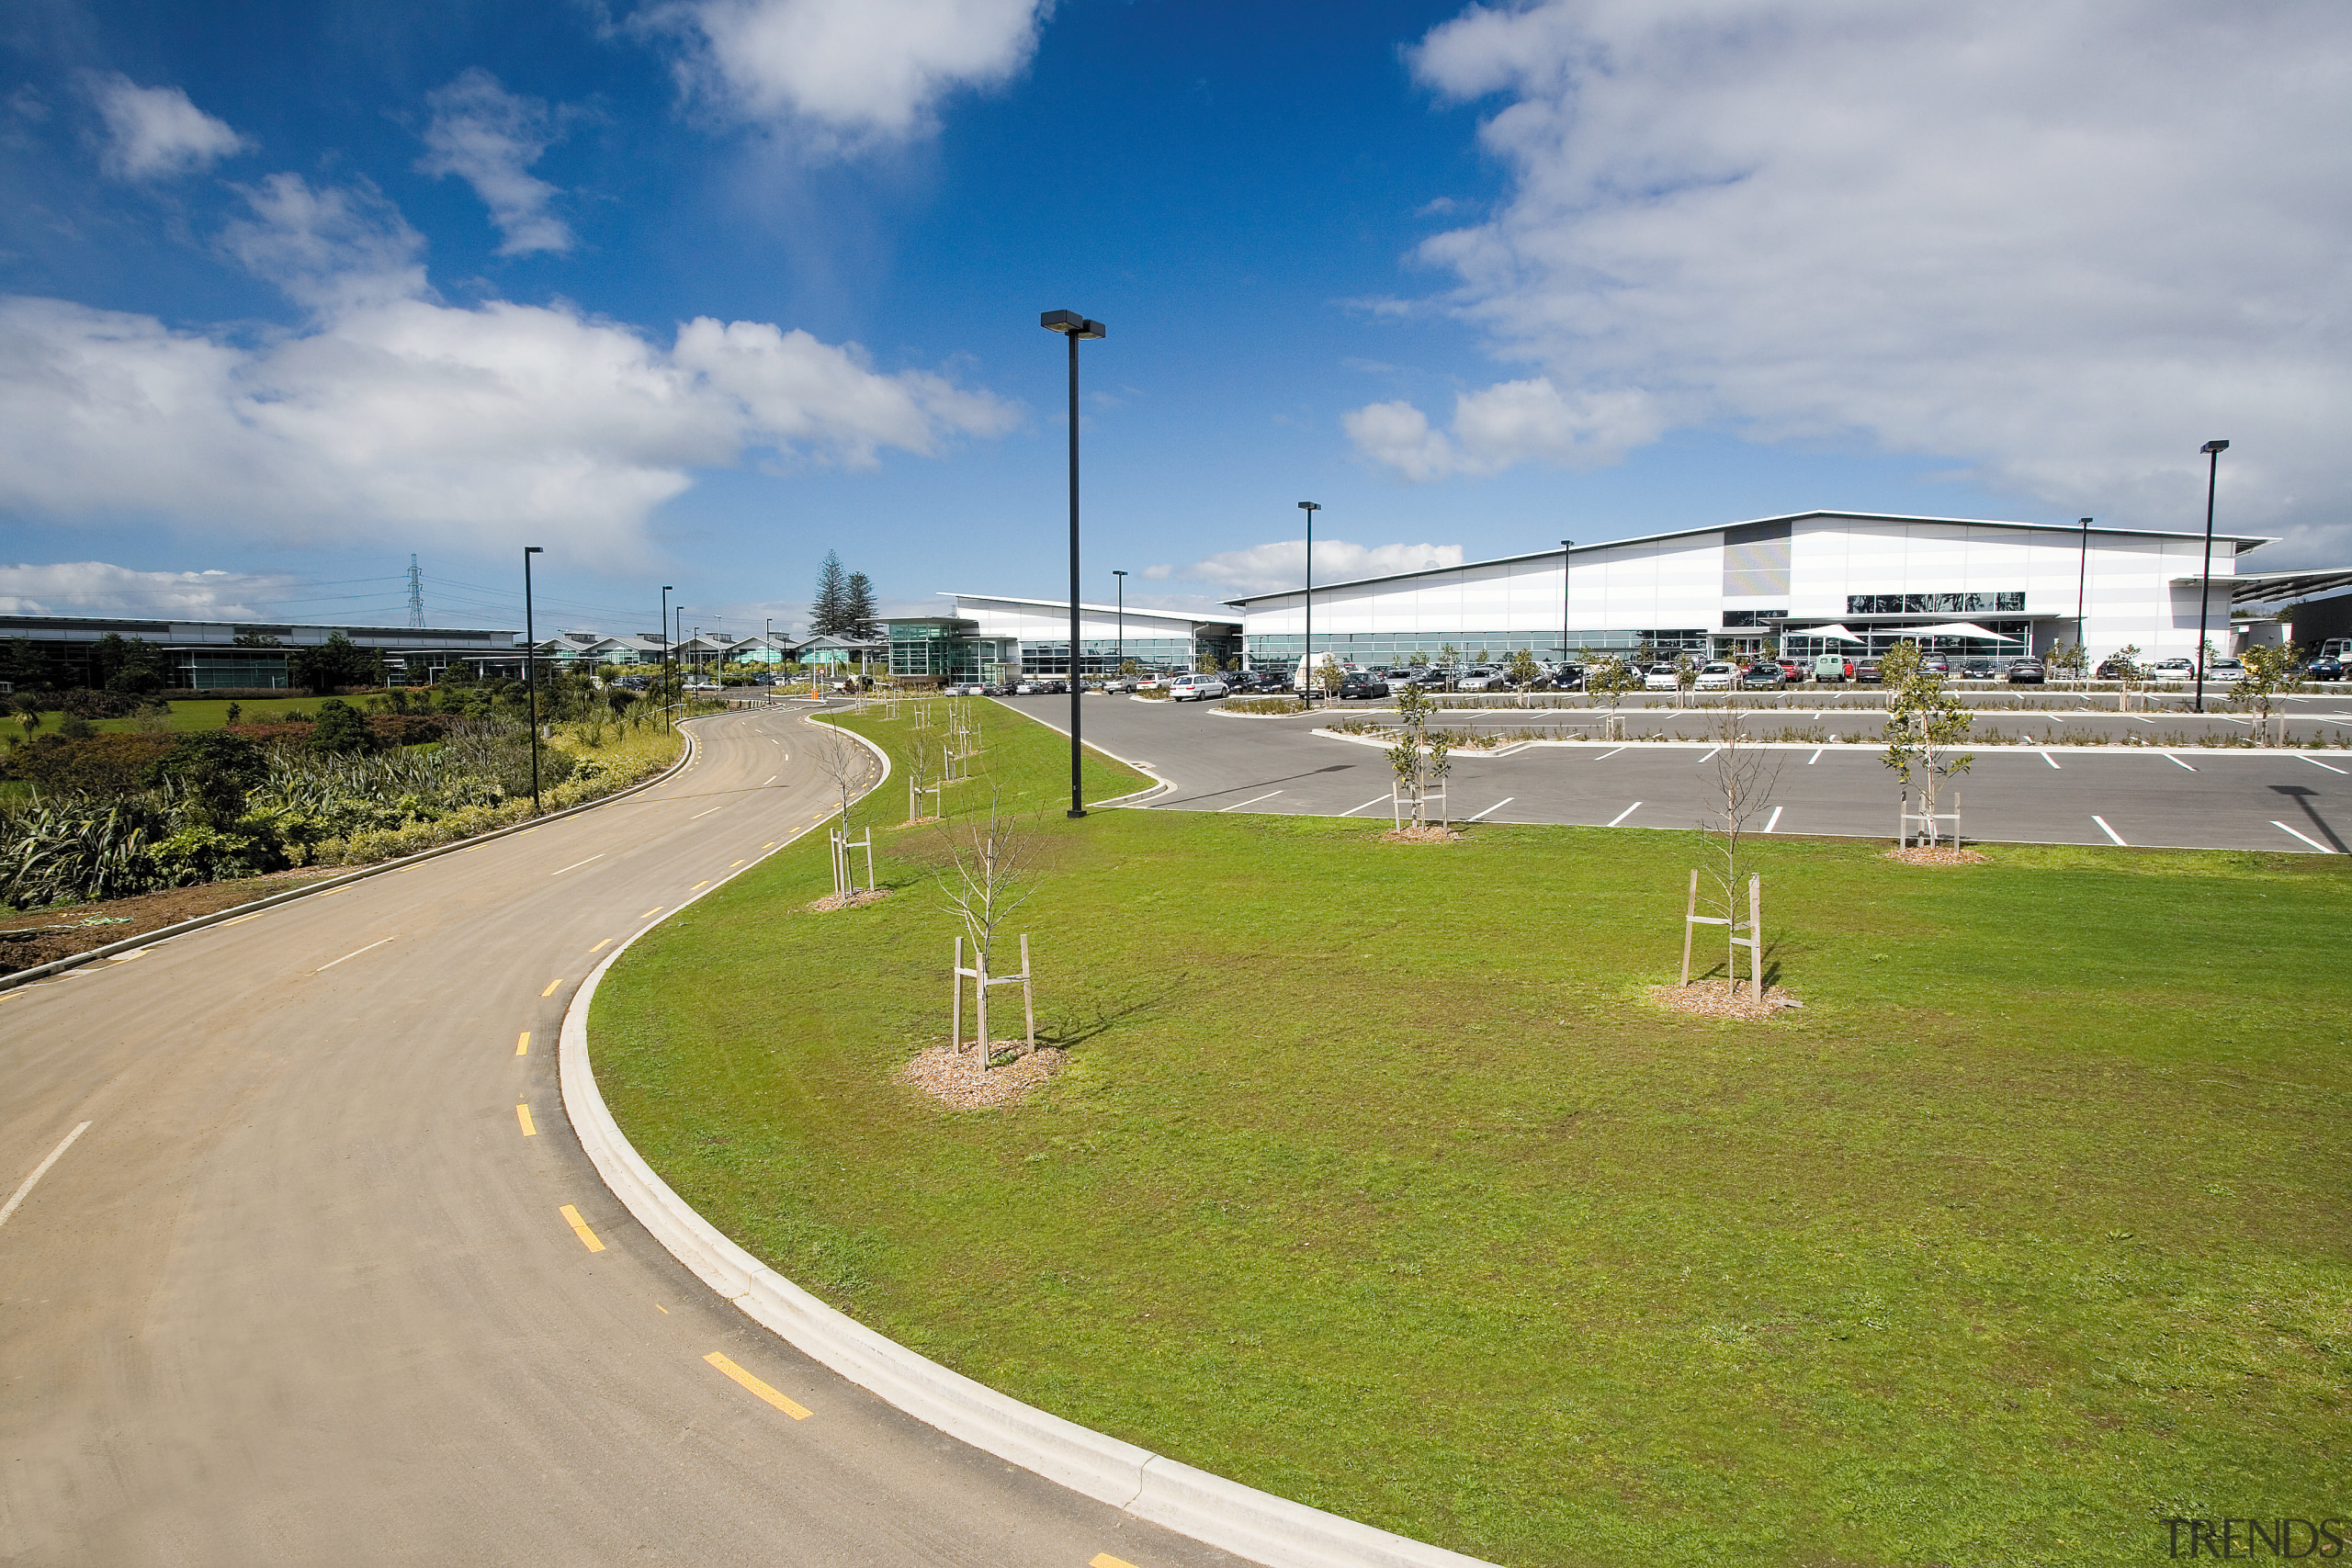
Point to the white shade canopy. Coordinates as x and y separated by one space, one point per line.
1836 634
1961 628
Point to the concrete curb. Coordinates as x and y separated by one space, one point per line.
1857 748
1223 1514
311 889
1160 781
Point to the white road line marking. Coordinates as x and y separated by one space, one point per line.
575 865
1774 821
1622 814
40 1170
1816 755
2108 830
2143 718
700 814
769 780
1496 807
2315 762
1376 800
1711 752
2049 759
2324 849
1252 801
331 963
2177 762
1606 755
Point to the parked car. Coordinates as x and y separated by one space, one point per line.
1662 678
1482 677
2326 667
2026 672
1765 677
1362 684
1791 670
1197 688
1978 670
2224 671
1567 677
2183 669
1717 677
1867 670
2109 670
1831 667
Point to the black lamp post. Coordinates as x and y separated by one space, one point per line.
1310 508
531 672
2082 577
1073 326
1566 545
668 720
677 626
1120 670
2213 450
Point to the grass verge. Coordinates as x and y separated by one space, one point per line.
1376 1182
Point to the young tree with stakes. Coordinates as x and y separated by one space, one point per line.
1523 671
1746 776
1925 723
1609 677
2269 670
2125 663
991 874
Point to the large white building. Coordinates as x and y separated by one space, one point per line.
993 637
1815 580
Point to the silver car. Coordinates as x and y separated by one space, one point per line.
1199 688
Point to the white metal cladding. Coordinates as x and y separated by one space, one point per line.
1686 581
1038 621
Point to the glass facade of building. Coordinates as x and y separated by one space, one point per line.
1381 651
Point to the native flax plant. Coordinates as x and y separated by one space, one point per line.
1746 774
1924 725
991 871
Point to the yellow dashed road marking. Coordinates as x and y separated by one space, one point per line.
1105 1560
602 945
551 986
655 910
522 1114
580 1228
698 887
523 1043
797 1412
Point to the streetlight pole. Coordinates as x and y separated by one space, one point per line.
669 720
1310 508
1073 327
677 625
531 670
1566 545
2082 577
2213 450
1120 670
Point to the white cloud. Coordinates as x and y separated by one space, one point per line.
462 428
1263 569
850 72
152 131
489 138
94 588
2066 242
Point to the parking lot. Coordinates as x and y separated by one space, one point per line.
2145 795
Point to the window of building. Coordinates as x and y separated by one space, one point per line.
1932 603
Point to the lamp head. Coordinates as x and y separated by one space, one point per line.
2214 447
1310 506
533 551
1116 573
1568 544
1072 324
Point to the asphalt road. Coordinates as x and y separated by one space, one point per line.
310 1288
2186 797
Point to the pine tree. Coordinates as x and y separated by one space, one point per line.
858 620
828 617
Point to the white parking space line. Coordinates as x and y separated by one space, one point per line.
1622 814
2049 759
1376 800
2315 762
700 814
1496 807
2177 762
1252 801
575 865
2324 849
1711 752
40 1170
1774 821
2108 830
769 780
1606 755
1817 756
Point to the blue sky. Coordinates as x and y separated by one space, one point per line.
692 292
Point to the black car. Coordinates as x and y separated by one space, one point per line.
2026 672
1866 670
2327 668
1568 678
1767 676
1363 686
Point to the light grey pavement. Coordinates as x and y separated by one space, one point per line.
305 1292
2183 797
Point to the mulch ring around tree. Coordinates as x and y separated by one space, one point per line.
1426 833
858 901
951 1079
1708 999
1941 855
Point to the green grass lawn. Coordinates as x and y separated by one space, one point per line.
1376 1182
203 714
